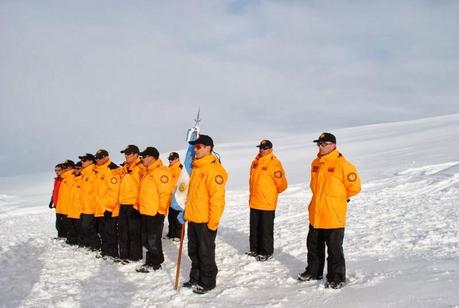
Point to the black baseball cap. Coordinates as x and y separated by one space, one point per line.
68 163
101 153
173 155
204 140
265 144
150 151
87 156
326 137
130 149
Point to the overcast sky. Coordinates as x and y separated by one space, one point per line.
76 76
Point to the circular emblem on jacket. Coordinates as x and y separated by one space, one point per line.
182 187
114 180
164 179
351 177
278 174
219 179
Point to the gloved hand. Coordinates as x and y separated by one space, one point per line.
180 218
107 214
51 204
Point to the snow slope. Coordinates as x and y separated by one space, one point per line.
401 241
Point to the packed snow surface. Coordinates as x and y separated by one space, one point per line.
401 239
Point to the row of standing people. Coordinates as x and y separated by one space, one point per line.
333 181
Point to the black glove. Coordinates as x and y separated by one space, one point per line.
107 214
51 204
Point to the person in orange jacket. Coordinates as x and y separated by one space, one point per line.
267 181
54 198
64 200
75 208
129 229
175 167
90 238
333 181
154 199
107 186
203 209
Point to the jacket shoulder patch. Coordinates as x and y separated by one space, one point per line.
352 177
113 180
164 179
278 174
219 179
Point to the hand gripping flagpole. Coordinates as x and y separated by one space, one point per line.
182 189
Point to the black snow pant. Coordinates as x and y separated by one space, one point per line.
74 231
109 235
60 225
201 250
316 241
90 238
129 233
152 231
262 232
174 225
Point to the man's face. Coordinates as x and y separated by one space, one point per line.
263 151
58 171
86 163
172 160
130 157
147 160
77 170
325 147
101 160
201 150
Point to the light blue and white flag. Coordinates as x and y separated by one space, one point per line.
180 194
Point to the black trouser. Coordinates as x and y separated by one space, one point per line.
152 231
129 233
262 232
60 225
174 225
109 235
90 238
201 250
316 241
74 230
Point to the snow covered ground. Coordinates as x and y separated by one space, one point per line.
401 242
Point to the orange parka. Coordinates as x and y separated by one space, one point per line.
267 181
206 194
65 193
88 196
155 190
107 188
333 181
130 183
75 208
175 170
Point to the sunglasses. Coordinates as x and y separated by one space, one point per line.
323 144
264 148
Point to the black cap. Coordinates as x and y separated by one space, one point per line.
68 163
265 144
173 155
87 156
326 137
150 151
131 149
204 140
101 153
78 164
